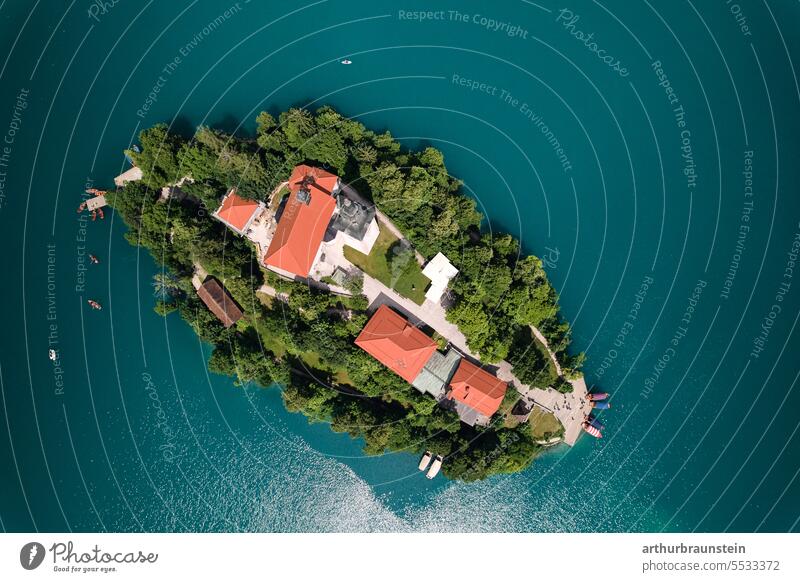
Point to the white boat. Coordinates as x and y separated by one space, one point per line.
51 353
434 470
425 460
346 62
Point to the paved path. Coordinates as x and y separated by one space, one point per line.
429 313
570 409
277 189
540 336
272 292
199 275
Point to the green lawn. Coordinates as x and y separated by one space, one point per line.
271 343
312 359
276 200
392 266
544 424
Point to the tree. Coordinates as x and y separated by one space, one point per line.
365 153
164 308
473 261
505 245
417 189
432 158
326 146
165 286
305 344
530 364
494 282
471 319
265 123
298 126
386 142
158 158
444 227
387 185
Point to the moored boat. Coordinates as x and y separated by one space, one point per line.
595 423
425 460
589 429
435 466
594 397
601 405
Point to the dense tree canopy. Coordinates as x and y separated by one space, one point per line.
305 343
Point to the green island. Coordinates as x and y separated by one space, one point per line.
233 220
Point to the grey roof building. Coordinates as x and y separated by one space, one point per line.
352 216
467 414
436 375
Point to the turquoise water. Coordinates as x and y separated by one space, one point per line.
589 163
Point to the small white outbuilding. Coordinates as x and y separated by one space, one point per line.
440 271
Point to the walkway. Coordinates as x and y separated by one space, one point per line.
278 188
272 292
429 313
569 409
540 336
199 275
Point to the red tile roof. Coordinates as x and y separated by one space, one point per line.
302 225
323 181
236 211
477 388
394 342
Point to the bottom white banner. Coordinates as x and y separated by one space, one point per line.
374 557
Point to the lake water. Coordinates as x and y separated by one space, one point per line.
661 185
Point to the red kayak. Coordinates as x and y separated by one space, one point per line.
589 429
597 396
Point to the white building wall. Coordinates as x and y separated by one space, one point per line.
365 245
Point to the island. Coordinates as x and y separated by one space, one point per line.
325 260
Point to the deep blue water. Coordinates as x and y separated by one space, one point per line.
703 433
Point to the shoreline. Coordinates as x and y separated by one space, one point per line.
325 299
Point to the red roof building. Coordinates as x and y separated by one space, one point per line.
323 181
237 212
305 219
476 388
397 344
